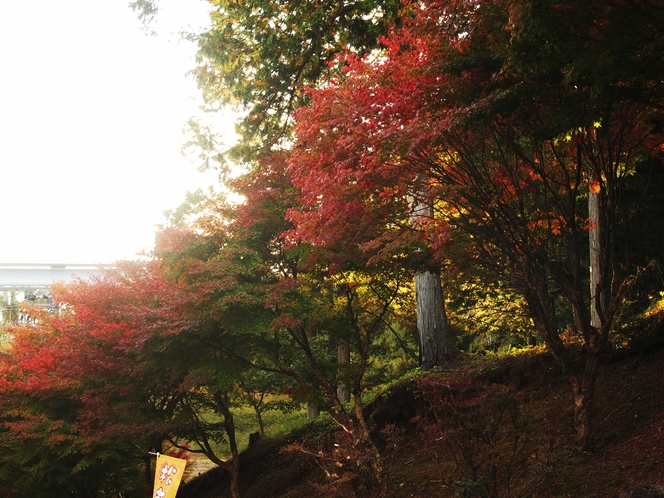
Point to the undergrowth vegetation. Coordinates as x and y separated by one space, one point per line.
498 427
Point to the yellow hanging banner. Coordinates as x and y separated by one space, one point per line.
167 476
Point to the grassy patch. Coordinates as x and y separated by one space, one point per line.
277 423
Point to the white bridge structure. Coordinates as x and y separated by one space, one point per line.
32 282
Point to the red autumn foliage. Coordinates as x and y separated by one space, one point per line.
454 114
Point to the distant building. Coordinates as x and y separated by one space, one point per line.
32 282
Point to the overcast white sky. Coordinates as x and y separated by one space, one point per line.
91 113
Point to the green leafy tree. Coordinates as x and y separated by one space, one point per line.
283 308
259 55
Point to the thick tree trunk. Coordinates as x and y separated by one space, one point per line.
312 411
343 357
436 344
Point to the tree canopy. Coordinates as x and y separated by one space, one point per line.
460 111
507 151
258 56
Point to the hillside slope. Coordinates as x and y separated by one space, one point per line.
497 426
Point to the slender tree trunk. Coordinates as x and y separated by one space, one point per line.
594 234
148 474
256 405
583 384
582 381
370 462
229 426
584 400
583 389
259 418
343 357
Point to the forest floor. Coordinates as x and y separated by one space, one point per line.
513 438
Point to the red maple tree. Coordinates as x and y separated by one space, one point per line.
500 145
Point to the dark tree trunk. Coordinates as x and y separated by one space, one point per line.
229 426
584 394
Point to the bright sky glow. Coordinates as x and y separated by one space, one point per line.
91 118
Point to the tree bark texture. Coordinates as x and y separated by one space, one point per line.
594 234
436 345
229 426
312 411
